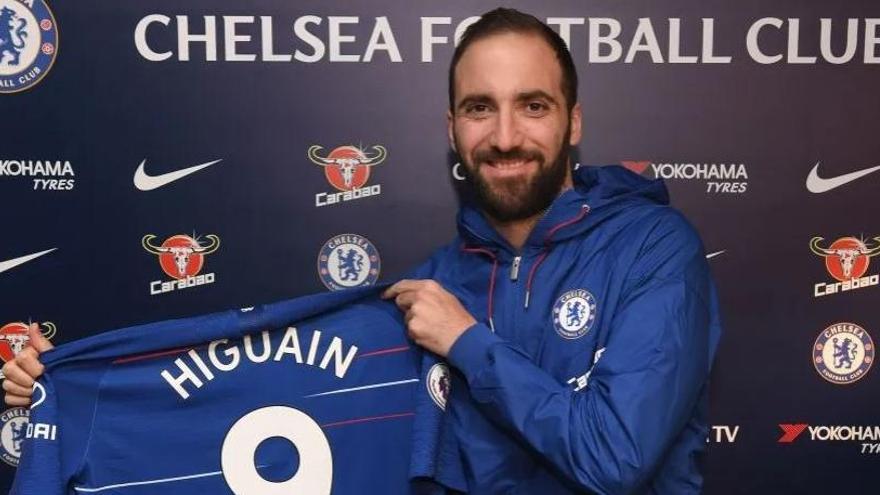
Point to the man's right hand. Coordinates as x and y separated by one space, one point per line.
21 372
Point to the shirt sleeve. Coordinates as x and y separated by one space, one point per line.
610 436
58 430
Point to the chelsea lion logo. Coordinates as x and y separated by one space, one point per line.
28 43
348 260
843 353
574 313
13 426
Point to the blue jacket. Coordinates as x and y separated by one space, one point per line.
588 369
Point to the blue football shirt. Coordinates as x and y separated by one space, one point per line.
315 395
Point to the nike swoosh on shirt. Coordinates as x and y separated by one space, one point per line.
716 253
816 184
146 182
10 264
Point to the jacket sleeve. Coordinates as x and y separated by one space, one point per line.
609 437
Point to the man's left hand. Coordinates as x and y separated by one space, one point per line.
434 317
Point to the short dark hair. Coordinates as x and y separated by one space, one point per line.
502 20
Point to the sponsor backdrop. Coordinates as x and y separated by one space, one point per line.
161 159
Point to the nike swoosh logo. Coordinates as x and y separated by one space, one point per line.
146 182
10 264
716 253
816 184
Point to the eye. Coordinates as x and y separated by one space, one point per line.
536 108
477 110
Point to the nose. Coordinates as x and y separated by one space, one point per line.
507 134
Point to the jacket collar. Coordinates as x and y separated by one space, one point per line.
598 192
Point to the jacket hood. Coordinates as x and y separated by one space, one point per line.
599 193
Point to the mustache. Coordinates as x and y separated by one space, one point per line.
513 154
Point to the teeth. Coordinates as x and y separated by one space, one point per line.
507 164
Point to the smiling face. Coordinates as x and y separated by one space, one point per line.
511 126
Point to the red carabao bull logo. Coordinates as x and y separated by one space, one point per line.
181 257
347 169
847 260
14 338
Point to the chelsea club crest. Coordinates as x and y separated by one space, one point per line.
574 313
843 353
13 426
28 43
348 260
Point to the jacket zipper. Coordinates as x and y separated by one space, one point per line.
514 268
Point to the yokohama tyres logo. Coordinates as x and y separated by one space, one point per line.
791 431
719 178
864 437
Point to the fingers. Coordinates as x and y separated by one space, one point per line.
21 372
405 300
13 388
28 360
37 340
395 290
407 286
19 383
14 373
24 369
14 400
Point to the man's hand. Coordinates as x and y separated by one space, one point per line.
434 317
21 372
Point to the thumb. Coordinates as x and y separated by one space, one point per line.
37 341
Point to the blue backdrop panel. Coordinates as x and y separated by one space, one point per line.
163 159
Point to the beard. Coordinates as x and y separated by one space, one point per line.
517 198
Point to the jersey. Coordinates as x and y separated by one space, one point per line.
313 395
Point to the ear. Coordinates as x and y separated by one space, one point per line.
575 120
450 133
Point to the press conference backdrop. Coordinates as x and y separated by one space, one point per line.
162 159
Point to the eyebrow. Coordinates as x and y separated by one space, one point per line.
485 99
536 94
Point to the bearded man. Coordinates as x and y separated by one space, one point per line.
575 307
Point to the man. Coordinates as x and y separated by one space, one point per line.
582 350
575 308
